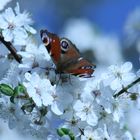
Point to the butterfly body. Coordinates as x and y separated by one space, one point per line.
66 56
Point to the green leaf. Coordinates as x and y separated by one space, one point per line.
64 131
12 99
60 132
71 135
6 90
19 89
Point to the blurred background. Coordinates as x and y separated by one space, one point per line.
99 28
105 31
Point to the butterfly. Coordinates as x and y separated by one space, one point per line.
66 56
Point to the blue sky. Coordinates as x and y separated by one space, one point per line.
111 15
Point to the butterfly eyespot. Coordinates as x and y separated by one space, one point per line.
87 67
45 38
64 45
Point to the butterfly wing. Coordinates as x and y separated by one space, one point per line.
52 44
83 68
69 55
66 56
73 63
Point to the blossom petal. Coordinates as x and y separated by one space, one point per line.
128 77
28 76
126 67
92 119
78 105
88 130
9 15
3 23
46 99
17 9
30 29
55 109
20 36
82 115
20 33
115 84
7 34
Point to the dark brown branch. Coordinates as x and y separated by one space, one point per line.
126 88
10 47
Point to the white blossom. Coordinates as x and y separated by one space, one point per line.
85 107
15 25
61 100
118 76
120 106
9 77
34 56
90 134
110 132
133 121
39 90
74 124
85 111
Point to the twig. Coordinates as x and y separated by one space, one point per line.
126 88
10 47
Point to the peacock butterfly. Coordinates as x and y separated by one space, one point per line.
66 56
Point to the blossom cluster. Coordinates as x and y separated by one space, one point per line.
37 101
15 25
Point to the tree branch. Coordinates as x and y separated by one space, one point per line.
126 88
10 47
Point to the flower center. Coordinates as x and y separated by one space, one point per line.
11 26
119 75
74 122
86 109
55 97
38 91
